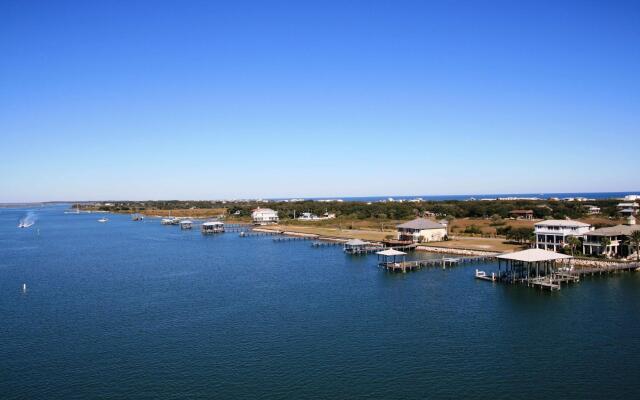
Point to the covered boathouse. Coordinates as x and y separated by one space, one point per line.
357 246
212 227
535 267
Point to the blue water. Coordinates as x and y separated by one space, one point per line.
541 196
139 310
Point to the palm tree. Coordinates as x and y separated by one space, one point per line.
573 243
634 239
604 243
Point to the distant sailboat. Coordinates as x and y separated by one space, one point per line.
103 219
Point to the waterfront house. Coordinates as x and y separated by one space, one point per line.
422 230
552 234
611 241
264 216
522 214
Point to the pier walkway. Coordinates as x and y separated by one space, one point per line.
404 266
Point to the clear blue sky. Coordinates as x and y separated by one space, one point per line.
204 99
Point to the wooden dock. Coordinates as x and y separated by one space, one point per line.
326 244
444 262
555 279
364 250
293 238
236 229
246 234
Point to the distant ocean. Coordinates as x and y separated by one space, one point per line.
542 196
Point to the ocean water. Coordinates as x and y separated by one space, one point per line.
541 196
138 310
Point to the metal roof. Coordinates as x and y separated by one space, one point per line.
533 255
356 242
562 222
391 252
421 223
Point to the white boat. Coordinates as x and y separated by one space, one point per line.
170 221
25 224
103 219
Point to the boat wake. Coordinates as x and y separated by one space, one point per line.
28 220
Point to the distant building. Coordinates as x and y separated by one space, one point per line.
627 209
422 230
617 236
522 214
264 216
552 234
308 217
592 210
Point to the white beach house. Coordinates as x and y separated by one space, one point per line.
628 209
422 230
264 216
552 234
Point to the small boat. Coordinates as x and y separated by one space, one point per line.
25 224
103 219
137 217
170 221
186 224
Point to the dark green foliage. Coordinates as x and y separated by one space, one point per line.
496 210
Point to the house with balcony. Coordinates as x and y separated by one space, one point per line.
264 216
422 230
628 209
552 234
611 241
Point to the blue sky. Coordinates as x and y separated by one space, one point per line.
204 99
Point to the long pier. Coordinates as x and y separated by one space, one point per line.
405 266
293 238
326 244
246 234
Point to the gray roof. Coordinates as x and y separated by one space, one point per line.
561 222
421 223
617 230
